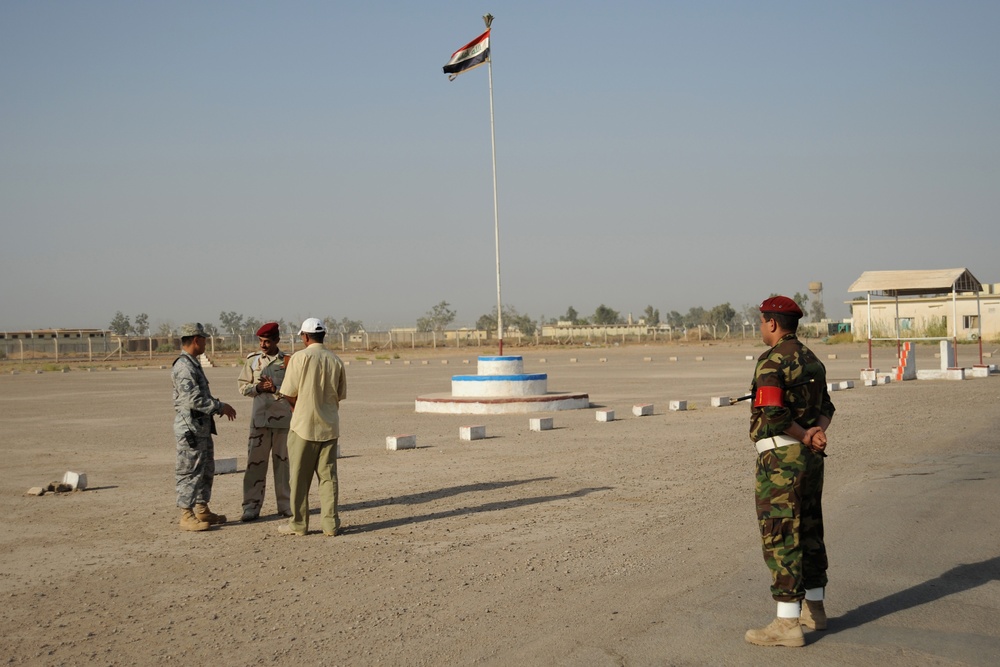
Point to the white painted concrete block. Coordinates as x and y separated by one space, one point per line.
542 360
720 401
605 415
368 362
979 371
949 374
388 362
572 360
673 359
647 358
831 356
540 424
465 361
472 432
225 466
699 358
869 374
444 362
603 360
406 362
749 357
883 379
678 406
870 383
77 480
643 410
846 384
832 386
396 442
423 362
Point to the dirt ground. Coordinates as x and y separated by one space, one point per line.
624 543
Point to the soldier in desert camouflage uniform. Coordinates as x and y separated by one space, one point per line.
194 425
790 413
261 376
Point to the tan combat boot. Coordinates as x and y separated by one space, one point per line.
190 522
780 632
204 514
813 615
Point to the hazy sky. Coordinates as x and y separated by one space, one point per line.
290 159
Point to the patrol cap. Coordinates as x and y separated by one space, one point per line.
312 325
193 329
269 330
780 304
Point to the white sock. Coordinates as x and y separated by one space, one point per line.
814 594
789 609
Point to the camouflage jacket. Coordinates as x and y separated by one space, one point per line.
193 402
267 410
790 366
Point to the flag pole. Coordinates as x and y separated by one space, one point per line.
488 19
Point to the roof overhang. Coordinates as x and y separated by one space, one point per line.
913 283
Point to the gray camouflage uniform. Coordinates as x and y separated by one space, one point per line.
194 425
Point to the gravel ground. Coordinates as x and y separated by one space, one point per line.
624 543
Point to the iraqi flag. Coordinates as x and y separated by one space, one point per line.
470 56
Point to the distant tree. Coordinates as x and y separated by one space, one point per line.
166 330
675 319
722 315
231 322
251 325
437 318
652 316
818 311
512 320
571 316
332 324
120 325
349 326
696 315
211 329
141 324
802 300
605 315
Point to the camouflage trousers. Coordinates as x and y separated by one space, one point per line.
195 470
789 494
264 443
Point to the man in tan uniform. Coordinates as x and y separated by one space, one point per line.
314 384
260 378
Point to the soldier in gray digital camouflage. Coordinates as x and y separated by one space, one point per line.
194 424
789 415
260 378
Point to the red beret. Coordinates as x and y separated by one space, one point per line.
780 304
269 330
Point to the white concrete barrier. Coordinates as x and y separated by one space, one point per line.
678 406
396 442
720 401
643 410
540 424
605 415
77 480
472 432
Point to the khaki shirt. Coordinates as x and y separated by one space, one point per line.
315 377
268 412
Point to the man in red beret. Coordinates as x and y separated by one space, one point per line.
789 415
260 378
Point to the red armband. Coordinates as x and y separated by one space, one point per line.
769 397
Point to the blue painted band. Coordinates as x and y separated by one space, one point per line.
523 377
501 358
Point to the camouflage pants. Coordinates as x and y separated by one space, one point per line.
195 470
789 494
264 443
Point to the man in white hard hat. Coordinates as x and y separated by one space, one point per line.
314 384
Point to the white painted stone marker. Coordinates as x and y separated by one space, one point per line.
720 401
678 406
225 466
472 432
605 415
77 480
847 384
540 424
833 386
396 442
643 410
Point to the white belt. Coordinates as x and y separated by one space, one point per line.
767 444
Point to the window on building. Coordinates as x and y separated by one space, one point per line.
970 321
905 323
